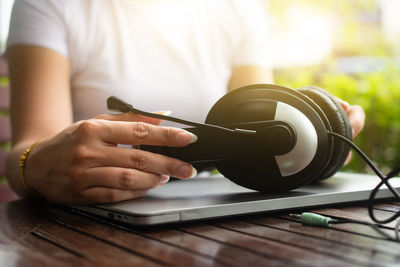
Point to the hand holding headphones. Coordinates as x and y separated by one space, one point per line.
266 137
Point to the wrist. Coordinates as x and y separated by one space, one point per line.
23 160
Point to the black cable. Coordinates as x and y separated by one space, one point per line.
393 173
371 200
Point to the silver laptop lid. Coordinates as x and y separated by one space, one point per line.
216 196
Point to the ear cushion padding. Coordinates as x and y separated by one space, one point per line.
339 122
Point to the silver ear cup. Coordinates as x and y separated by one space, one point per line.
306 144
265 102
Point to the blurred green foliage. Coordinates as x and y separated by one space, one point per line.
377 92
4 81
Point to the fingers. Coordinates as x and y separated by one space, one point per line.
140 133
345 105
357 118
123 178
146 162
348 159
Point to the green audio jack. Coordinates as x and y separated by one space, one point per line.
313 219
309 218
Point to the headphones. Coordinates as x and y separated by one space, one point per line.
265 137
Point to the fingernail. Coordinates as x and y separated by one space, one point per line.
194 138
194 172
187 171
164 112
164 179
187 137
348 159
345 105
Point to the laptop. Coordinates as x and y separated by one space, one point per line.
213 196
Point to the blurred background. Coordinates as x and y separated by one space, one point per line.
352 49
348 47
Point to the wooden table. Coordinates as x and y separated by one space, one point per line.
32 234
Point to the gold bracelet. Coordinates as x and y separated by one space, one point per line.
22 162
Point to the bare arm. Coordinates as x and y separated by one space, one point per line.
245 75
80 163
40 101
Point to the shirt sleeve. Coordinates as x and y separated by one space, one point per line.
39 23
254 47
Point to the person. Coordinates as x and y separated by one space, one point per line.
66 57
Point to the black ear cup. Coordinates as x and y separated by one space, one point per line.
304 154
339 122
305 163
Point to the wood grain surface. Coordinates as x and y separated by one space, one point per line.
34 233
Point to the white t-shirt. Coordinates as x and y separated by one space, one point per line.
157 55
